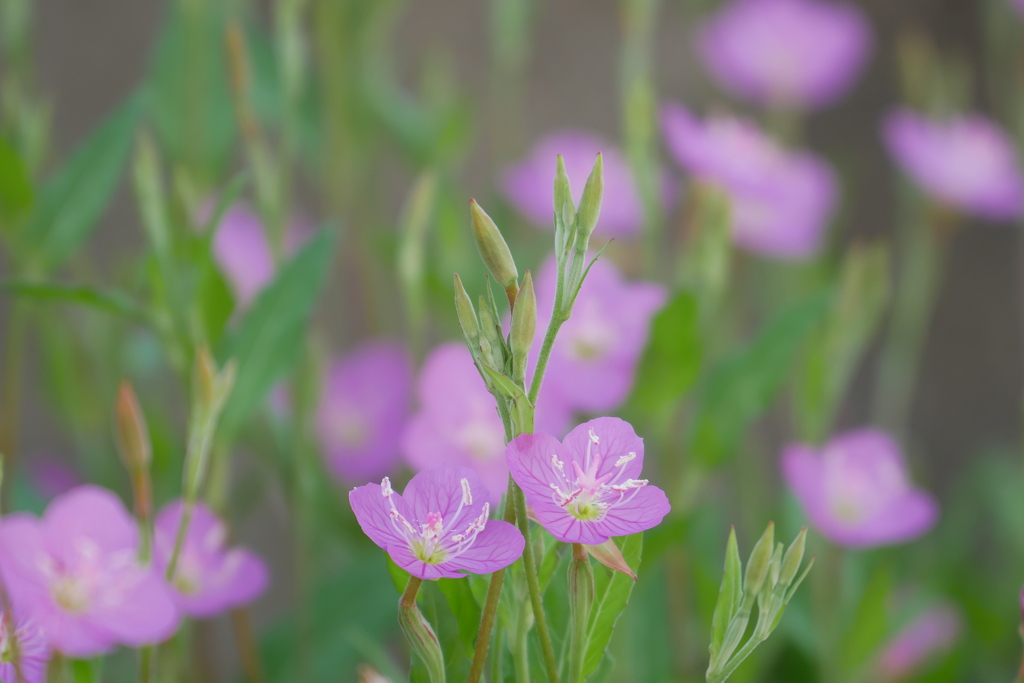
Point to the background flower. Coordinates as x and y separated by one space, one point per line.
856 490
919 643
781 200
967 162
32 648
75 571
364 404
209 578
797 53
457 421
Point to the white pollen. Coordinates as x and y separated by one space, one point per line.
557 464
593 437
385 487
467 495
624 459
629 484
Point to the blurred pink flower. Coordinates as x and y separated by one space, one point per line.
75 572
32 649
241 250
798 53
856 490
457 422
781 200
967 162
924 638
595 356
528 184
209 578
364 404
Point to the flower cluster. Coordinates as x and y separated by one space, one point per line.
77 586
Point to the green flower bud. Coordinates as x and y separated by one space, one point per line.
494 251
581 599
759 564
467 316
422 640
590 205
793 559
565 213
133 443
524 328
491 349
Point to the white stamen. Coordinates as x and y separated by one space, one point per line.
593 436
624 459
629 484
385 487
557 464
562 497
467 495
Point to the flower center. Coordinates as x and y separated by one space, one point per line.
351 430
71 593
587 496
432 541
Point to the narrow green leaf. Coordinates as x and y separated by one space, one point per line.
111 301
729 594
15 187
743 385
611 594
271 335
672 361
868 629
522 409
72 201
465 608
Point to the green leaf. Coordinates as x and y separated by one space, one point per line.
522 408
743 385
271 335
671 363
15 186
465 608
611 593
111 301
868 629
729 594
73 199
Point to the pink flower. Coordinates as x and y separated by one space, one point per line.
967 162
363 407
33 652
856 491
209 578
595 356
75 571
527 185
241 250
457 422
586 489
927 636
781 201
439 528
799 53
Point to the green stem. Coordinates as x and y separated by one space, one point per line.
522 649
581 596
179 539
545 348
483 638
533 585
14 364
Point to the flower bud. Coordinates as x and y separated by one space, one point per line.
422 640
590 205
467 316
494 251
204 377
760 562
565 212
490 338
610 556
581 599
793 559
132 434
524 327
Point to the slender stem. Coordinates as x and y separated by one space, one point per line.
580 598
522 649
408 598
545 351
10 409
179 539
241 623
483 637
533 585
145 663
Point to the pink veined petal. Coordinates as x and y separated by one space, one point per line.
373 512
617 440
439 490
145 614
643 511
497 546
404 558
90 512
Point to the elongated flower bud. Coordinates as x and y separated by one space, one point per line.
793 558
760 562
565 212
422 640
132 434
494 251
581 599
524 327
467 316
590 204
